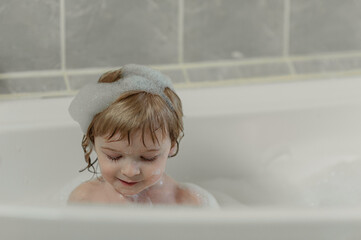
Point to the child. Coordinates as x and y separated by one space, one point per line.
132 118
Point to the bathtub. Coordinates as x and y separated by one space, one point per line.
282 160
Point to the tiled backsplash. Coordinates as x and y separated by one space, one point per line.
53 47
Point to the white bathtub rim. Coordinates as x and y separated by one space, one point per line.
230 100
141 215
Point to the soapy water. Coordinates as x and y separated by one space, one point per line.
335 185
140 198
60 197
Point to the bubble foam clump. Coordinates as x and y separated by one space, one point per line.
96 97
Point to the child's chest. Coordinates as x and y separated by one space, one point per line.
147 197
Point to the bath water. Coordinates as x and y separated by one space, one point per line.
335 185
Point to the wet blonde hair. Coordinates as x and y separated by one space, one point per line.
132 111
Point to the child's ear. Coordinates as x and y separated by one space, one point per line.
173 149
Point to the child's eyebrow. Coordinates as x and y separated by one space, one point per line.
152 150
147 150
108 148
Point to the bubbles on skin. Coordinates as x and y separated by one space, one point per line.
160 182
134 198
141 197
156 172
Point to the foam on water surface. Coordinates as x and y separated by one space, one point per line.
335 185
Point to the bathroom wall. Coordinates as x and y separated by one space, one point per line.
50 48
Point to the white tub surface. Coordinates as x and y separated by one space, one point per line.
283 160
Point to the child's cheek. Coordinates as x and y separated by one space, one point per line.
157 169
157 172
106 169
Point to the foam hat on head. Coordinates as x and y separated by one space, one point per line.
96 97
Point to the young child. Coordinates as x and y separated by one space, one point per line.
132 119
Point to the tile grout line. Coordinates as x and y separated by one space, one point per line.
63 44
31 74
36 94
225 82
291 67
286 28
286 36
270 79
180 31
89 71
181 39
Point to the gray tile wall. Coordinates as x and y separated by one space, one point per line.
30 35
232 29
113 32
325 26
54 47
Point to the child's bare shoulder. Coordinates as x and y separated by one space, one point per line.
187 197
85 191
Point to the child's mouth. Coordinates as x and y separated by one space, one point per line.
127 183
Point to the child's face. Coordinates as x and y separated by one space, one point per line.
130 169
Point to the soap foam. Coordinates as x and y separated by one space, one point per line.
94 98
337 185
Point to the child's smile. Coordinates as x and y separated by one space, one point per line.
132 168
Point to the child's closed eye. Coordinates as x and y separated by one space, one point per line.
149 158
114 158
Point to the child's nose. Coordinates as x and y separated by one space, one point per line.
130 168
